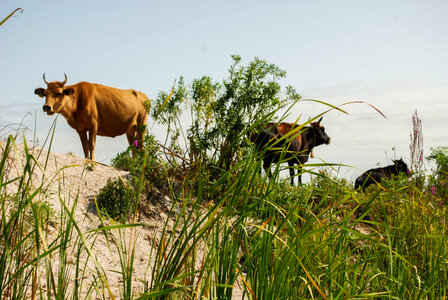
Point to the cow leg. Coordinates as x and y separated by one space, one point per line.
140 138
141 129
291 171
84 142
267 167
130 138
130 134
92 142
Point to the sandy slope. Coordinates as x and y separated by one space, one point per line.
66 178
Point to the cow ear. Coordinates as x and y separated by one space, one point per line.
69 91
40 92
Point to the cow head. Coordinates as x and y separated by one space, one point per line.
56 96
319 133
400 166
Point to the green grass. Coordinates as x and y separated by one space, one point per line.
265 238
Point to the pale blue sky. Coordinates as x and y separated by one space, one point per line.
392 54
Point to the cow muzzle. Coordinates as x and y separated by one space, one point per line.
48 109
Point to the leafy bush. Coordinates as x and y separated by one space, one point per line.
438 181
222 112
114 200
439 155
151 168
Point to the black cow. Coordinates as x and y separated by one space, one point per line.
376 175
294 148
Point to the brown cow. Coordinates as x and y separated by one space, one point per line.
295 147
97 109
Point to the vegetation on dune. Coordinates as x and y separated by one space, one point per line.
323 239
229 226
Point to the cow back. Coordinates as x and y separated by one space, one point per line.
114 110
283 129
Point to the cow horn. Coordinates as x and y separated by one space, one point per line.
45 79
65 81
318 122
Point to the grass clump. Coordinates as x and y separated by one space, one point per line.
38 245
147 165
114 200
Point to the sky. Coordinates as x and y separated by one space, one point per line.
390 54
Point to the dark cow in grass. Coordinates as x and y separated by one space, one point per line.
295 148
373 176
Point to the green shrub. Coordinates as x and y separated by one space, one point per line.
221 112
114 200
152 170
124 161
438 181
439 155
